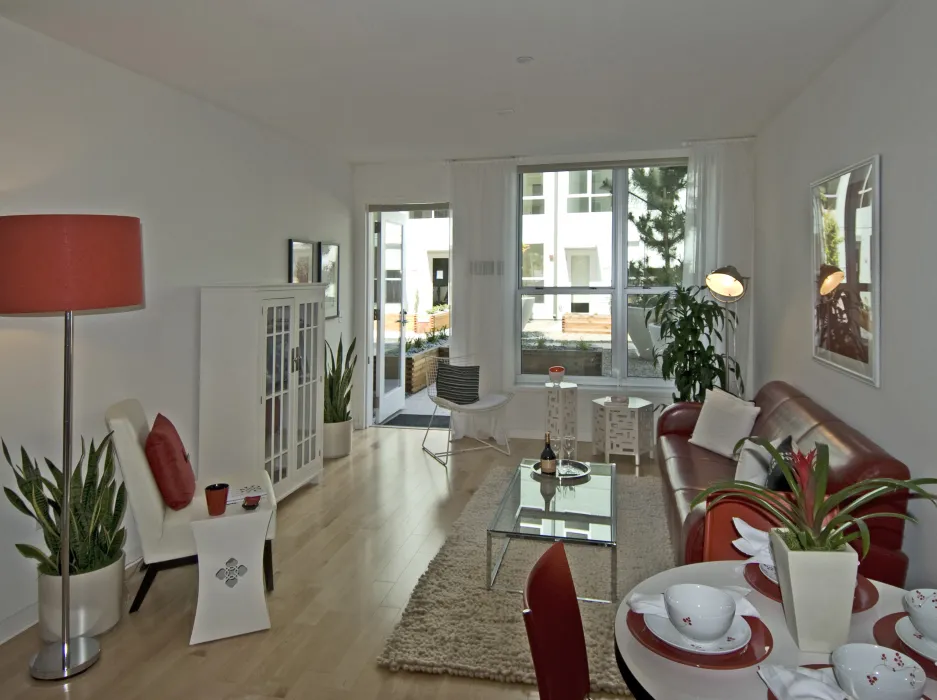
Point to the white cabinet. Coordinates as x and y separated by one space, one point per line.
260 382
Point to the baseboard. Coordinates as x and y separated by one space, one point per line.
538 435
19 622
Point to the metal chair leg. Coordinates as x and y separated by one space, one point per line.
437 455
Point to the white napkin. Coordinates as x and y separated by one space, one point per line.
653 604
802 683
755 543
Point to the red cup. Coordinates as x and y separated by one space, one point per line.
216 496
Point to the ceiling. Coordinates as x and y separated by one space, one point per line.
379 80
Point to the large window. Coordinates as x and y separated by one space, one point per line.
596 250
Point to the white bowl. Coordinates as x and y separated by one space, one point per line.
557 373
921 606
701 613
870 672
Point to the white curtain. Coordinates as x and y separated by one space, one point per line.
483 221
720 227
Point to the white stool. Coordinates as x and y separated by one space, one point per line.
231 598
623 427
562 408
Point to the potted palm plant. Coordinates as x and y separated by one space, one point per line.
96 543
688 323
339 371
815 564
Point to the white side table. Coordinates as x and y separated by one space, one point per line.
231 597
562 407
624 427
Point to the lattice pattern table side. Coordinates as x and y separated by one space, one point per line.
562 410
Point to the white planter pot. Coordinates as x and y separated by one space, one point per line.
336 439
817 590
96 602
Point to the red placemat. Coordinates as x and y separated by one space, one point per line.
885 634
772 696
755 652
866 595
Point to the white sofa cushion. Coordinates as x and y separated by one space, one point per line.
724 420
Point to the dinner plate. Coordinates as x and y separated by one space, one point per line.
738 636
770 573
909 634
884 632
752 654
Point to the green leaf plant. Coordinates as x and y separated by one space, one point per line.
688 323
339 371
811 520
96 509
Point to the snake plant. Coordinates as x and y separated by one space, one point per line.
812 519
339 371
97 506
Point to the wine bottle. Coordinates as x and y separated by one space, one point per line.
548 458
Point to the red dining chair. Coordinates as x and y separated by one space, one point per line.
719 532
554 629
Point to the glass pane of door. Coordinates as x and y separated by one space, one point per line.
306 383
277 367
392 306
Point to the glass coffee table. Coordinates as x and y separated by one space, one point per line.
536 507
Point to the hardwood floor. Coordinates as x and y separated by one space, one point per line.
347 555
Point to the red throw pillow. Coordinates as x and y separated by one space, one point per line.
170 464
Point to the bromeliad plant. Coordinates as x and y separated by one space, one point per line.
97 506
339 371
810 519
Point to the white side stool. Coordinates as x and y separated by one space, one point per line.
562 407
231 598
623 427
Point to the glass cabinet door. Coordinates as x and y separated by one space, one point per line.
277 356
307 383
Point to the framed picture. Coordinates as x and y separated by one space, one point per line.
328 275
302 262
847 270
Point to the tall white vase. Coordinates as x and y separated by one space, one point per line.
817 590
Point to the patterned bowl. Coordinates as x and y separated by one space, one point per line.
702 613
557 372
870 672
921 606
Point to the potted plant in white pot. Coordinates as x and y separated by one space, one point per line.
815 564
339 371
96 543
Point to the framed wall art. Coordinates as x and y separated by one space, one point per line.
847 270
303 265
328 275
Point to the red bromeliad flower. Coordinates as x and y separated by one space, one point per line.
803 465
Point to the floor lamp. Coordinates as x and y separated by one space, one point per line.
728 286
60 264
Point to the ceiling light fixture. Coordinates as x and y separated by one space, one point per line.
523 60
505 112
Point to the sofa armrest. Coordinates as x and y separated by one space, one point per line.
679 418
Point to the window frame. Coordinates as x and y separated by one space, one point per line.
619 291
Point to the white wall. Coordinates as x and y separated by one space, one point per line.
880 96
218 197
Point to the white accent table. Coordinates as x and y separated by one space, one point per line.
653 677
231 599
624 427
562 408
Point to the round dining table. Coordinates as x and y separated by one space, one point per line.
652 677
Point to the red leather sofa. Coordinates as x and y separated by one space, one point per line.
687 470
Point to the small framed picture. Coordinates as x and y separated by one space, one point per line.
328 275
302 262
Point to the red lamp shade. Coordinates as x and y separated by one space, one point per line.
69 262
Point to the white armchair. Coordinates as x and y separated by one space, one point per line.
165 534
486 404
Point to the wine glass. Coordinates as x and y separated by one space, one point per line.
555 443
569 447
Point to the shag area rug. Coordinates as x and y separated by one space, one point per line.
454 625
